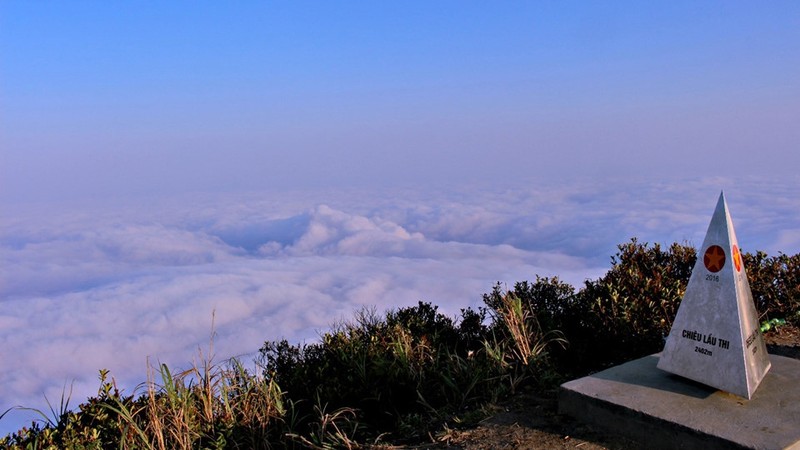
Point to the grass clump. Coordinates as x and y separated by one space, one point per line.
208 406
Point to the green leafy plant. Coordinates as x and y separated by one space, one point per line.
775 283
628 312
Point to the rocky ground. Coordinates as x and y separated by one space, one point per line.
532 421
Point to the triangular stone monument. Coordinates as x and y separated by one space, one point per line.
716 339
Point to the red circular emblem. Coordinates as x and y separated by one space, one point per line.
737 259
714 258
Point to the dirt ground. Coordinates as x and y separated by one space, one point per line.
532 422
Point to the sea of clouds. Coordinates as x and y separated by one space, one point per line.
120 286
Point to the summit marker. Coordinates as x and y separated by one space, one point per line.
716 339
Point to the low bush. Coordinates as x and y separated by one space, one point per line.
628 312
415 364
775 283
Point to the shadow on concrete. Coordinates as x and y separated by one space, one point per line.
643 372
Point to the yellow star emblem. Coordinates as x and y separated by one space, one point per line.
714 258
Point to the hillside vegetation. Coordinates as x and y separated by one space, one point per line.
406 375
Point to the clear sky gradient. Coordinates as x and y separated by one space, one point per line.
279 165
102 99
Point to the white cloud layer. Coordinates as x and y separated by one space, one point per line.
90 288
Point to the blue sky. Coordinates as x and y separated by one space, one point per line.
280 165
107 99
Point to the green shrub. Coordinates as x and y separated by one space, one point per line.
414 362
775 283
628 312
547 300
526 324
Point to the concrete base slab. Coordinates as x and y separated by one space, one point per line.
662 410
